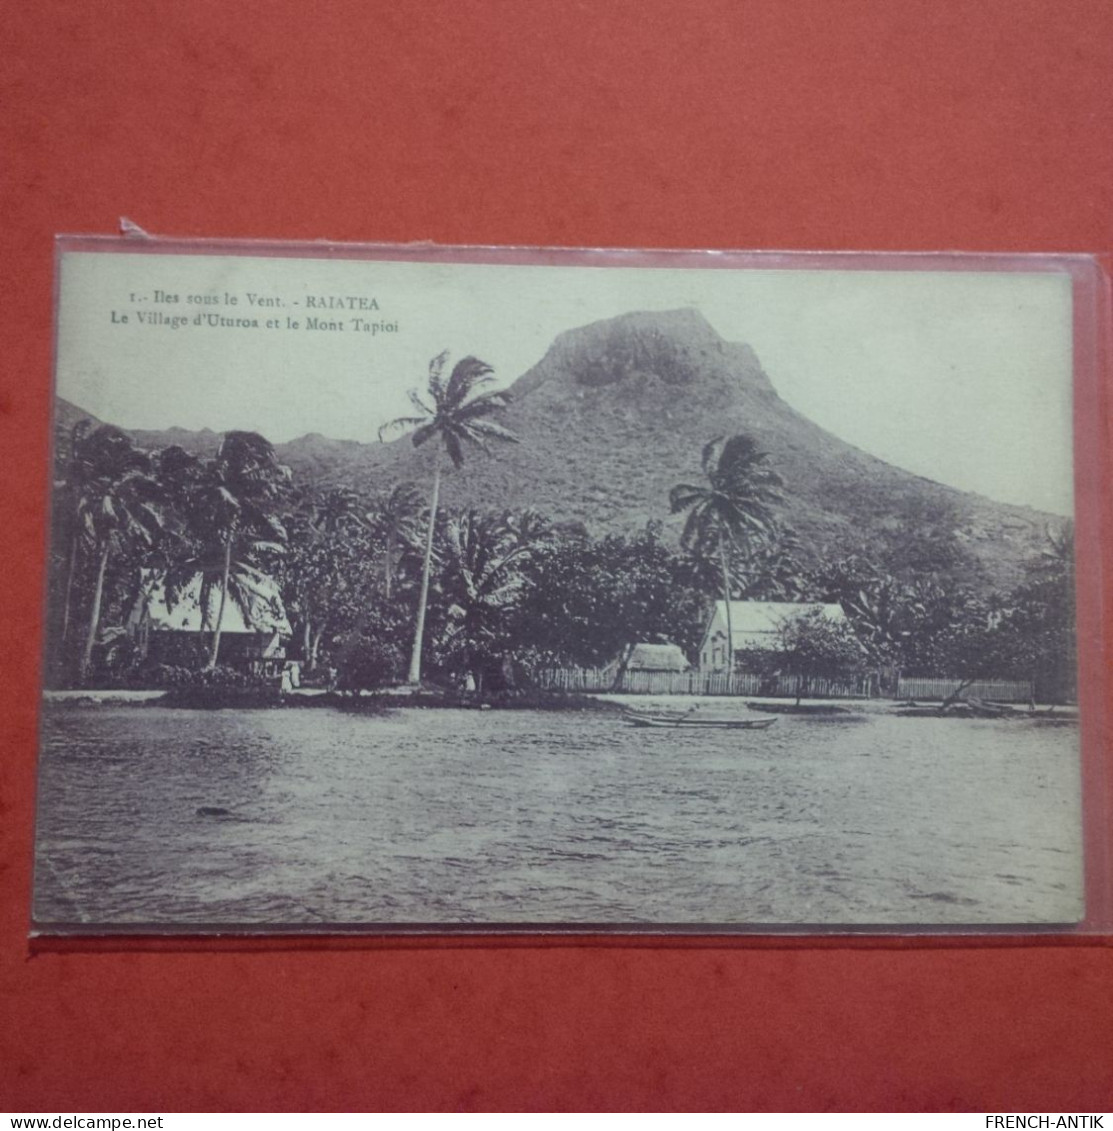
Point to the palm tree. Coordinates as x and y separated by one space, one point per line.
735 509
529 528
116 507
79 470
396 520
231 503
455 412
336 512
327 535
485 556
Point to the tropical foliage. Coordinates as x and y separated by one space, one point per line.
453 413
114 500
813 646
230 506
733 513
486 557
589 601
386 586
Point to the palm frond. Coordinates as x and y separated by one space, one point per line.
468 374
420 405
436 376
425 433
262 547
685 495
400 424
709 456
698 529
482 405
740 449
482 430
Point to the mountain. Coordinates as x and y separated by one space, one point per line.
203 443
617 412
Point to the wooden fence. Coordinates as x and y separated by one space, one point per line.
998 690
697 683
719 683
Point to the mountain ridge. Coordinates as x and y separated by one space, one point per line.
617 411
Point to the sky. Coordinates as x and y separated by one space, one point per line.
961 376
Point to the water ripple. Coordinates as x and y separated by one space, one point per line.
150 816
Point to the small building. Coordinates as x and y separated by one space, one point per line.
253 634
657 658
652 659
755 626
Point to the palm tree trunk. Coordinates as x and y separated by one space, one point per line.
69 589
136 624
220 608
94 616
415 656
388 565
726 602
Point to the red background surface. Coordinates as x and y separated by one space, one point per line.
923 124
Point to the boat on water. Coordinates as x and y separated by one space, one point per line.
675 719
971 707
799 708
985 709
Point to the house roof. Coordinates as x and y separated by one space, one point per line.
755 624
265 612
658 658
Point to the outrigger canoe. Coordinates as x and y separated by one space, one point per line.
670 719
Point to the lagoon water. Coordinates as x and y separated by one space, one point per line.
152 816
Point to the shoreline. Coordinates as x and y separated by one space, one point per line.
316 698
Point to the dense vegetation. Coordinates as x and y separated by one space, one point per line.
618 412
390 585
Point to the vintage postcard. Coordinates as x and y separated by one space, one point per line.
429 590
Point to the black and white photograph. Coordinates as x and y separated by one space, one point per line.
520 591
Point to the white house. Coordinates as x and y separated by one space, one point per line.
257 632
755 625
